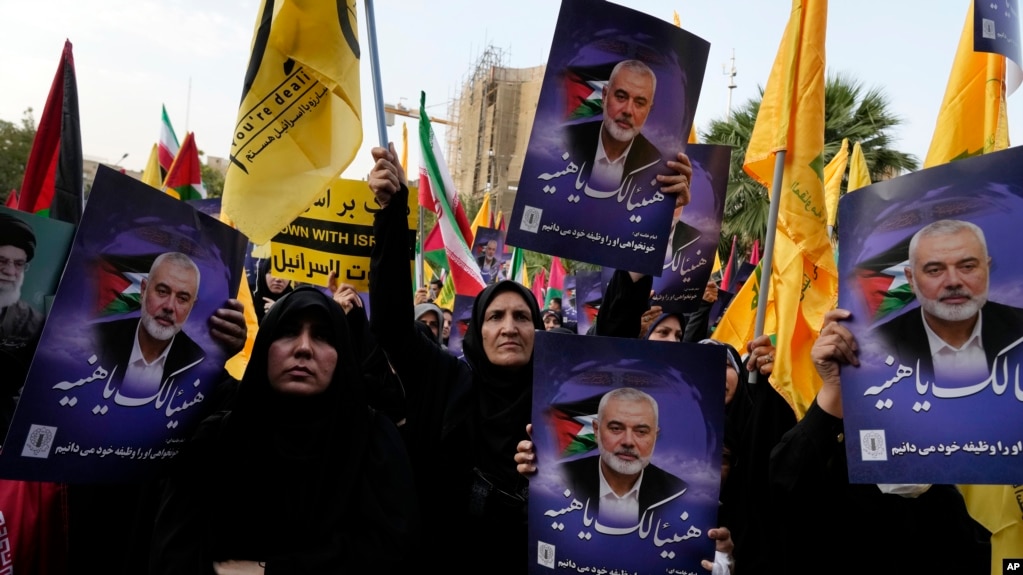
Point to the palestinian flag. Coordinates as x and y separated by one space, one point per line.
119 283
433 249
583 96
556 284
539 285
882 281
184 178
572 425
518 267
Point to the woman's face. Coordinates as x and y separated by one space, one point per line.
668 330
731 383
276 285
508 330
302 359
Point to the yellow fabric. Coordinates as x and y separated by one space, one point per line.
972 119
717 263
151 173
446 296
237 364
482 219
404 147
300 122
833 173
999 508
804 281
859 174
736 326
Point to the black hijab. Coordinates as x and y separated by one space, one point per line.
291 462
504 395
263 290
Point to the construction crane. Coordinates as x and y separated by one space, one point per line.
400 110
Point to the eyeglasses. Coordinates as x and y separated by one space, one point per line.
19 265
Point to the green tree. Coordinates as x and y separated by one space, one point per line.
212 180
15 146
850 111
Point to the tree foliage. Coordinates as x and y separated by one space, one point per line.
850 111
15 146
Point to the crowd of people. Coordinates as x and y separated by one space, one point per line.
363 443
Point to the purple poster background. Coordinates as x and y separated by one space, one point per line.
903 425
484 236
72 423
996 28
570 376
695 233
556 210
459 323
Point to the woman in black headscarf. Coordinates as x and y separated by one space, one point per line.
269 289
301 476
464 417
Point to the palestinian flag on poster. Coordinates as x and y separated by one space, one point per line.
572 424
119 283
583 96
882 281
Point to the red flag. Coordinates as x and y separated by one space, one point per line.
556 284
539 283
754 254
12 200
53 175
730 269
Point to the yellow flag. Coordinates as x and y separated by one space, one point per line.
859 174
972 119
999 508
446 296
833 173
404 147
300 122
151 174
692 130
736 326
482 219
804 278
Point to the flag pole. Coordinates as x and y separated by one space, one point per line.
768 261
374 62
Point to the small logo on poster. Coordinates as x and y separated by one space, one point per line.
545 554
988 28
872 447
39 441
531 219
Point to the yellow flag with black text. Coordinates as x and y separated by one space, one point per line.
804 278
972 119
299 123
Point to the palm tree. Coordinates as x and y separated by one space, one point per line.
850 111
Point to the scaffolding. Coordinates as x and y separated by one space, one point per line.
493 115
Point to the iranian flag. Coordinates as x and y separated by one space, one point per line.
556 283
184 178
168 147
518 267
436 180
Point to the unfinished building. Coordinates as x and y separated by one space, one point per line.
492 116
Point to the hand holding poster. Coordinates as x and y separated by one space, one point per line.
127 365
601 423
931 281
619 93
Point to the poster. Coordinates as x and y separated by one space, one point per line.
916 410
488 249
617 99
335 234
694 233
460 317
589 291
126 366
572 529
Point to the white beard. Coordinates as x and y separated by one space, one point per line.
9 294
954 312
156 330
620 134
620 465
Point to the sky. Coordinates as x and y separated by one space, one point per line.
131 56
